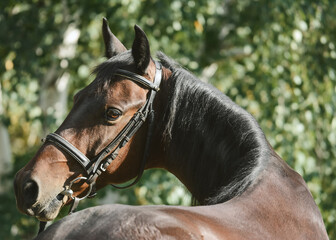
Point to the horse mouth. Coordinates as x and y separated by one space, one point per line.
50 210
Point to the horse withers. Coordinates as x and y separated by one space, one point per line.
138 114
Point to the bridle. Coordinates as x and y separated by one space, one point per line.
95 167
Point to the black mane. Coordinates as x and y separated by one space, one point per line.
204 131
220 143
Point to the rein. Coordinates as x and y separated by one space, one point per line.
95 167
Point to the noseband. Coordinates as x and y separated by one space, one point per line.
95 167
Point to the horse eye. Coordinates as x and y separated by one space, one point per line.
112 114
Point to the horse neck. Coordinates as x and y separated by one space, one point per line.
213 146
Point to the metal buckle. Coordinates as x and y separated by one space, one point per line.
102 167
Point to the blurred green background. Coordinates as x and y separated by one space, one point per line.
277 59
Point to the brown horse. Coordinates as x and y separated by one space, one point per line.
217 149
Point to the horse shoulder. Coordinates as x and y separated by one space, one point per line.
278 206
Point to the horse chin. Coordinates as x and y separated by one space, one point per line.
46 216
50 211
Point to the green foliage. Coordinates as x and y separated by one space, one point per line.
274 58
280 65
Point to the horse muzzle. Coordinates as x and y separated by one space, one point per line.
29 198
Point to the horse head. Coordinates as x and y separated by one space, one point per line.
100 113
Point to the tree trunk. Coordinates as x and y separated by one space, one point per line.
5 152
55 85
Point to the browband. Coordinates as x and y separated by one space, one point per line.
140 79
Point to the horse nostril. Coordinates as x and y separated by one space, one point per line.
30 192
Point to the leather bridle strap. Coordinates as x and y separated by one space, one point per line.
138 78
98 164
155 86
110 152
68 148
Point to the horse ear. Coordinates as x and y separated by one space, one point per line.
140 50
112 44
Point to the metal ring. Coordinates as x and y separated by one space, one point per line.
87 194
76 179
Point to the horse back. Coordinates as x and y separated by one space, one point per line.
278 206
